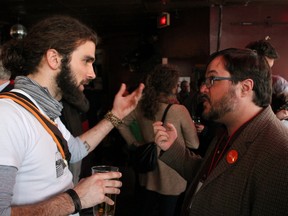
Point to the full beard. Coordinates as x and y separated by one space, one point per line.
70 91
221 107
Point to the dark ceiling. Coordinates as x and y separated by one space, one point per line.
105 14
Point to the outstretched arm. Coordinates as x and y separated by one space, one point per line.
122 106
175 155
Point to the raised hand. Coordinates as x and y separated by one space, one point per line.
123 105
164 135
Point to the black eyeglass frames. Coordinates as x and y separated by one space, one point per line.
209 81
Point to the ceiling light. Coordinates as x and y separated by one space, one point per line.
18 31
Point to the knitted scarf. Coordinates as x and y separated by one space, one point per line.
41 95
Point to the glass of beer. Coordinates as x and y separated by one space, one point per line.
103 209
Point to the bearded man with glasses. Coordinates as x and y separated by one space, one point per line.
245 169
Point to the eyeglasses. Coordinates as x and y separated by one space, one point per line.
209 81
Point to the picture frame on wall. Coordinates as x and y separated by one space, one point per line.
187 78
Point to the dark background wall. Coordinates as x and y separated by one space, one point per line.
129 55
242 24
192 36
131 44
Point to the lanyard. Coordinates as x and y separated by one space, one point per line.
215 160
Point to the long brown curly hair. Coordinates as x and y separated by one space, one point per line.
159 84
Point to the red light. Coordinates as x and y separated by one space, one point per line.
163 20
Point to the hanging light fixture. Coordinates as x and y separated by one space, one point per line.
18 31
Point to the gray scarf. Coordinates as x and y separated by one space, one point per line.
41 95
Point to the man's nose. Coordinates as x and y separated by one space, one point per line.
203 88
91 73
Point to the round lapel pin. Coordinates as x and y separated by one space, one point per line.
232 156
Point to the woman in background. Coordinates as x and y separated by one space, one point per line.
159 190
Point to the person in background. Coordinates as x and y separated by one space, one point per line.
73 116
279 84
5 83
205 129
245 169
160 189
53 62
184 91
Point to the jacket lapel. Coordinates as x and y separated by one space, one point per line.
240 145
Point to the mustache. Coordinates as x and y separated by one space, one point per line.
85 82
203 97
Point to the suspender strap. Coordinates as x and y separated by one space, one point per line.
50 126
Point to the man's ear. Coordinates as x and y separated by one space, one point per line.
53 59
247 86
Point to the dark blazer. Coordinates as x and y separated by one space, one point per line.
256 184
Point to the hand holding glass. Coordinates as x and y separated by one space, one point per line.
103 209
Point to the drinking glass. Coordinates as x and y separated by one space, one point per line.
103 209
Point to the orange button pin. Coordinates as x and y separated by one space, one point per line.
232 156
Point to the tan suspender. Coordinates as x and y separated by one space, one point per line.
50 127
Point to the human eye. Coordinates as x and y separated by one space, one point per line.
210 79
89 60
